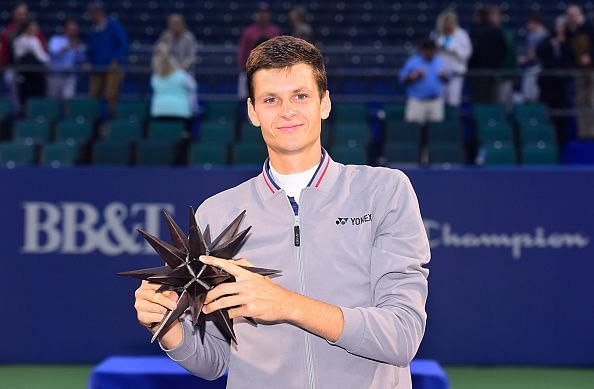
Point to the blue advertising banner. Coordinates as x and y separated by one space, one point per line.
510 281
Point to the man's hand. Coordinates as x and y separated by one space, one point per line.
251 295
152 306
256 296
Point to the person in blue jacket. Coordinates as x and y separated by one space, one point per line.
349 308
107 45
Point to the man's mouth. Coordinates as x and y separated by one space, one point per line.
290 127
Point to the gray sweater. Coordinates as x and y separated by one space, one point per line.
362 246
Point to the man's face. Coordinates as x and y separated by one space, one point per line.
71 29
20 13
288 109
428 53
574 15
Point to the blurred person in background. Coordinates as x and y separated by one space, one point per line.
29 53
20 13
554 55
173 89
424 75
299 26
66 52
179 42
505 81
580 39
260 31
107 45
489 50
455 48
536 32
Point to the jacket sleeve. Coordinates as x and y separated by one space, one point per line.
391 330
208 360
462 47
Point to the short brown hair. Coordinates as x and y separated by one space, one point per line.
282 52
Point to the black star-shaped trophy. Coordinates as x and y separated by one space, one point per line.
190 278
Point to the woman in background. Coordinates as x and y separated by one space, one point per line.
173 89
455 49
29 52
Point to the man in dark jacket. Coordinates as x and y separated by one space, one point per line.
489 52
106 52
580 39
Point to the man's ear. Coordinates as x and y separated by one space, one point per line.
252 113
326 105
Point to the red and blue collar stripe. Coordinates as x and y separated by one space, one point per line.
315 181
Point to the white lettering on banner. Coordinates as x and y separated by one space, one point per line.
442 235
80 228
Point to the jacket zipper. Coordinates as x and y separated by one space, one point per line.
301 283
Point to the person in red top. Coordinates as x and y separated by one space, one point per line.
20 13
251 36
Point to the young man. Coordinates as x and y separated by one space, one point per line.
349 308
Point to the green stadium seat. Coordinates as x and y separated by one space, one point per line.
494 130
532 134
352 113
394 112
208 154
42 109
83 110
123 131
540 153
249 153
405 152
166 130
499 153
72 131
349 155
484 112
530 111
154 152
445 132
111 152
451 115
5 109
222 112
403 132
133 110
250 133
32 131
533 122
17 154
217 132
59 154
445 152
351 134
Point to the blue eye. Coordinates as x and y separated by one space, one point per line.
302 96
270 100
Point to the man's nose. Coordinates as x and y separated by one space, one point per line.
287 109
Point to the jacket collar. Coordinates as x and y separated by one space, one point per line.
324 177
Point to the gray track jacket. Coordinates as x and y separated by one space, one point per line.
357 242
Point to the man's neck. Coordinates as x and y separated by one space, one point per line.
295 163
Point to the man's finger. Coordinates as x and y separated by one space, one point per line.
222 290
224 302
243 262
225 265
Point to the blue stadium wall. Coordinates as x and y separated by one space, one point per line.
510 281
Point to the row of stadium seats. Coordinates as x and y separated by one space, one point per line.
526 134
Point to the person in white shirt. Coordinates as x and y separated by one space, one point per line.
32 57
455 48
